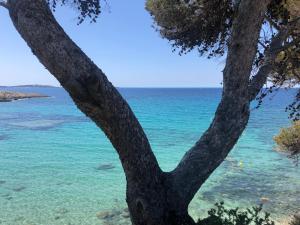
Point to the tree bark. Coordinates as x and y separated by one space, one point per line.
232 114
95 96
153 197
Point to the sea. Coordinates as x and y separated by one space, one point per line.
58 168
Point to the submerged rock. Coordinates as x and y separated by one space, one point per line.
8 96
57 217
105 215
64 183
2 182
264 199
3 137
62 211
297 215
19 218
19 189
40 124
9 198
115 216
106 166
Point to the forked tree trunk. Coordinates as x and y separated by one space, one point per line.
153 196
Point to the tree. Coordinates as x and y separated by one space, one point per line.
155 197
207 26
288 140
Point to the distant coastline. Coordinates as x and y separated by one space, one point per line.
8 96
29 85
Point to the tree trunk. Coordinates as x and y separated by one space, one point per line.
233 112
150 196
157 206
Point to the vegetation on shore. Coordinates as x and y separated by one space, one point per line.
220 215
288 140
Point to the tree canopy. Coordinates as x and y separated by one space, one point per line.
86 8
288 140
206 25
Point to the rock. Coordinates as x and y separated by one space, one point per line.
57 217
40 124
106 166
62 211
8 96
264 200
3 137
19 189
125 215
126 210
2 182
9 198
64 183
105 215
19 218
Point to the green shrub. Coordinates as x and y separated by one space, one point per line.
288 140
222 216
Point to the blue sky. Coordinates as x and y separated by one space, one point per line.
122 43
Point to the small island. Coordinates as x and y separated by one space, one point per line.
8 96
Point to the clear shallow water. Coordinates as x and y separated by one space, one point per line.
57 167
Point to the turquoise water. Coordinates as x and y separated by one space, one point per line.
57 167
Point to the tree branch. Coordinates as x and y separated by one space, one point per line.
232 114
3 4
262 44
88 86
272 23
271 53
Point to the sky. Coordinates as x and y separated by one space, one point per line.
123 43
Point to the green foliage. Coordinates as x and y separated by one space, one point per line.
86 8
288 140
222 216
206 25
294 108
201 24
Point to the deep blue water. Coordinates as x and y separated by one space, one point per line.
57 167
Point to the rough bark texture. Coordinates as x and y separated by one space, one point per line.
153 197
94 95
232 114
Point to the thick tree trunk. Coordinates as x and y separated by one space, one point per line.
150 196
233 113
158 206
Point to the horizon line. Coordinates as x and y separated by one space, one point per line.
129 87
49 85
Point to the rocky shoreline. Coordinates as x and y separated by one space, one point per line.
8 96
